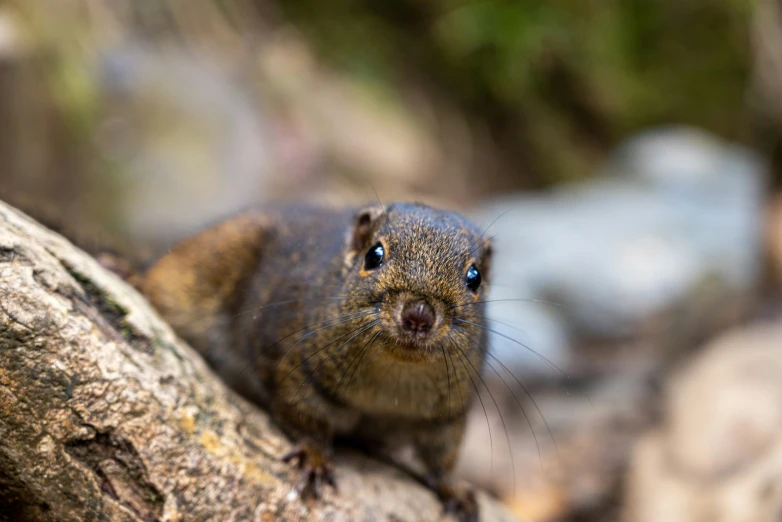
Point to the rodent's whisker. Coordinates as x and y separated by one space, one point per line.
369 327
448 377
291 313
497 406
382 207
291 301
369 343
461 395
363 354
526 391
475 243
477 394
341 320
396 388
374 357
537 354
551 364
323 347
537 301
562 373
515 398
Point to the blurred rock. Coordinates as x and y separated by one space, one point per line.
189 143
357 129
670 234
194 137
718 454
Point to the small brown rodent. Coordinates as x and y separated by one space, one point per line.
341 322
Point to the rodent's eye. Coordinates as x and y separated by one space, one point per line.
375 256
473 278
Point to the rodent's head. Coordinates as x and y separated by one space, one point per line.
424 272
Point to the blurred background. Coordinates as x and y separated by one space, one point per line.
625 155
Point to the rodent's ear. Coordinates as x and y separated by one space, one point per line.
363 227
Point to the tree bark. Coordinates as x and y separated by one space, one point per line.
106 415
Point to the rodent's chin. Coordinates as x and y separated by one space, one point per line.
411 351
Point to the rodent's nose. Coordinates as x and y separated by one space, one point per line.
418 317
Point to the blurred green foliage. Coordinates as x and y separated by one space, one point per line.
559 82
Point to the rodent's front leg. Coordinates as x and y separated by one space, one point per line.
438 450
313 450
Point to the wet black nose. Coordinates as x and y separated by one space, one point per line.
418 318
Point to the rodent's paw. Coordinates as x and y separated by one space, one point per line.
316 469
460 502
463 505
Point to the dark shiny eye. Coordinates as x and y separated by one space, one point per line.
473 278
374 258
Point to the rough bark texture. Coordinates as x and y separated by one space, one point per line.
106 415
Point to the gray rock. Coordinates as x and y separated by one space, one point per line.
191 143
675 212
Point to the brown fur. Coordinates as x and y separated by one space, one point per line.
281 304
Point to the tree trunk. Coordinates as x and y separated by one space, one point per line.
106 415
